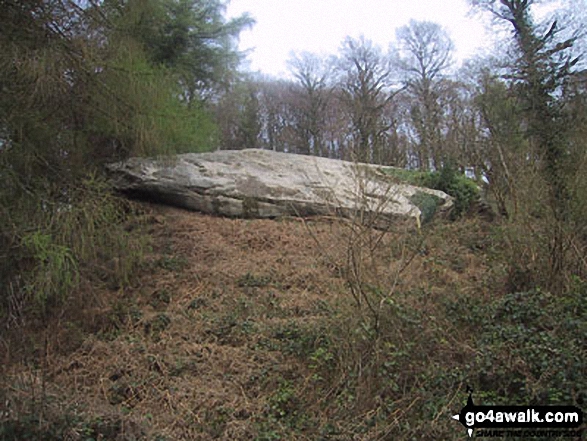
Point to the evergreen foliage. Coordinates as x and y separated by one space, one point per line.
83 84
543 68
427 203
464 190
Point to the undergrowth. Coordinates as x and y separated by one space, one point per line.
449 180
87 237
530 346
396 326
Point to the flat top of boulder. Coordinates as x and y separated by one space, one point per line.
263 183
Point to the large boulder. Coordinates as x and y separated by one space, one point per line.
265 184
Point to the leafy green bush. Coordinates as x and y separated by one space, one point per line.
55 246
448 179
462 189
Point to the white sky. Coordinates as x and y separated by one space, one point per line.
320 26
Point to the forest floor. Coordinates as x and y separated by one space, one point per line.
235 330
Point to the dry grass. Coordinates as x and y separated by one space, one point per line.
220 338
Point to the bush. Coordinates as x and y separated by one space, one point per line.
57 245
462 189
448 179
55 272
427 203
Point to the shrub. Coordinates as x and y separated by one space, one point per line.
56 246
55 272
448 180
462 189
427 203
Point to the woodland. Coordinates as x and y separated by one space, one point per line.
124 320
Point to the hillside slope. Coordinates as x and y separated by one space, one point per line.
236 329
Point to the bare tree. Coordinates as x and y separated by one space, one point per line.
367 89
238 117
424 55
312 100
277 115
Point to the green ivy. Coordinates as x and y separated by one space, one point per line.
530 346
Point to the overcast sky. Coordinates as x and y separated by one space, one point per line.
319 26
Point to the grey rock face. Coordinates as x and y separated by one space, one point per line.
266 184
